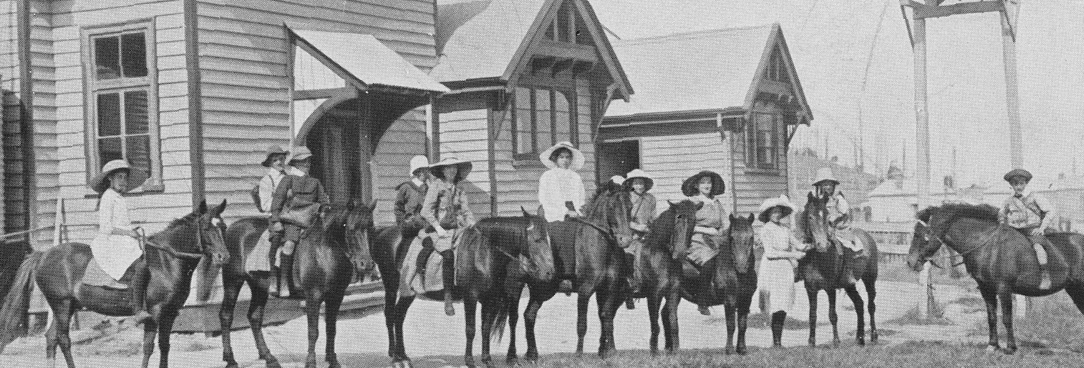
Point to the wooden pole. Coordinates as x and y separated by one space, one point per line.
922 143
1012 99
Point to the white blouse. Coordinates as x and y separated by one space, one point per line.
557 186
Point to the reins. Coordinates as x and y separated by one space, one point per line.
146 240
609 236
986 241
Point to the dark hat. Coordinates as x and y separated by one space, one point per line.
271 151
465 167
1018 173
688 187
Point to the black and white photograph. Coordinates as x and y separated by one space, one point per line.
541 183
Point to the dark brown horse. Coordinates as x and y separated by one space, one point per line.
171 255
1000 259
587 250
661 257
335 247
495 252
729 287
824 269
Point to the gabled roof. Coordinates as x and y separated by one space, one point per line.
489 39
365 61
700 71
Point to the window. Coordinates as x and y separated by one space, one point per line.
777 69
122 121
541 118
763 141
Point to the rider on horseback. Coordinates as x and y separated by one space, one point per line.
839 218
638 183
298 193
275 162
1030 214
712 222
117 247
560 189
447 212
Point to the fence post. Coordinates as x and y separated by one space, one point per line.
924 285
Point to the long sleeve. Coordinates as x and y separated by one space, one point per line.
580 194
267 192
1049 214
550 197
105 214
429 206
400 204
279 199
1003 212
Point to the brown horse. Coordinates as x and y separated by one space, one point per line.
587 250
496 252
661 257
335 247
1000 259
824 267
171 255
727 286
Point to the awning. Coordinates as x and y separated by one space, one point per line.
366 62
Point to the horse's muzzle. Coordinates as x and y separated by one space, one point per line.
915 262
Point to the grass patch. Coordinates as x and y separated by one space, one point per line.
761 320
907 354
912 318
1053 322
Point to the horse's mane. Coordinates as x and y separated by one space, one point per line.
503 231
593 203
982 212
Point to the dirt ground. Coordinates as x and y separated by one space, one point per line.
434 340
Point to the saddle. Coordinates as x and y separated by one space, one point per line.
93 275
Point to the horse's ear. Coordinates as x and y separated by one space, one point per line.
202 207
751 217
699 205
541 211
217 211
672 204
372 205
810 197
524 210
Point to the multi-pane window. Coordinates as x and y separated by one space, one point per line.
777 68
123 122
764 141
542 117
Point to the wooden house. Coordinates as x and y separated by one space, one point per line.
726 100
193 91
524 75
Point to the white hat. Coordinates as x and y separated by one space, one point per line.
299 153
639 174
825 174
418 162
617 179
781 201
577 157
100 183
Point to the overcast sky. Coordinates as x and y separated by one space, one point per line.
840 45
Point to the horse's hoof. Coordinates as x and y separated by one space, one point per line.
531 357
654 352
232 365
860 341
742 350
1009 350
873 337
469 362
812 343
835 343
334 365
992 348
272 363
511 360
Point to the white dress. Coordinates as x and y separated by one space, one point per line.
114 253
557 186
776 276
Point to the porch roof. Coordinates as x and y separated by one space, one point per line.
365 61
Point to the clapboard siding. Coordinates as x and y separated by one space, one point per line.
13 187
463 135
245 84
59 114
672 159
751 188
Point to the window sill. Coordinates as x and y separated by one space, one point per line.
527 161
762 171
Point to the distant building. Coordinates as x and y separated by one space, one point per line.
854 183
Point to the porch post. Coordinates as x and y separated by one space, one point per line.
365 147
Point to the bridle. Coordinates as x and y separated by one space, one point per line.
145 240
985 241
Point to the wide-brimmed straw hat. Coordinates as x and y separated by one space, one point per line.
782 202
639 174
272 151
689 186
464 168
418 162
99 183
299 153
577 157
1018 173
825 174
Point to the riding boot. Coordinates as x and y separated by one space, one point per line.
423 257
139 293
276 242
703 283
286 276
777 328
449 281
1044 274
633 280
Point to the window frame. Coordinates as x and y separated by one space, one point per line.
92 88
752 151
573 128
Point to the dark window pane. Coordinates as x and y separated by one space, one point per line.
108 114
135 112
562 117
107 57
549 32
109 149
583 37
139 156
524 141
563 31
134 55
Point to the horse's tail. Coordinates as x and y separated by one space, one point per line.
207 272
502 319
13 314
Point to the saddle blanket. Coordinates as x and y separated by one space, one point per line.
412 283
94 275
257 259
